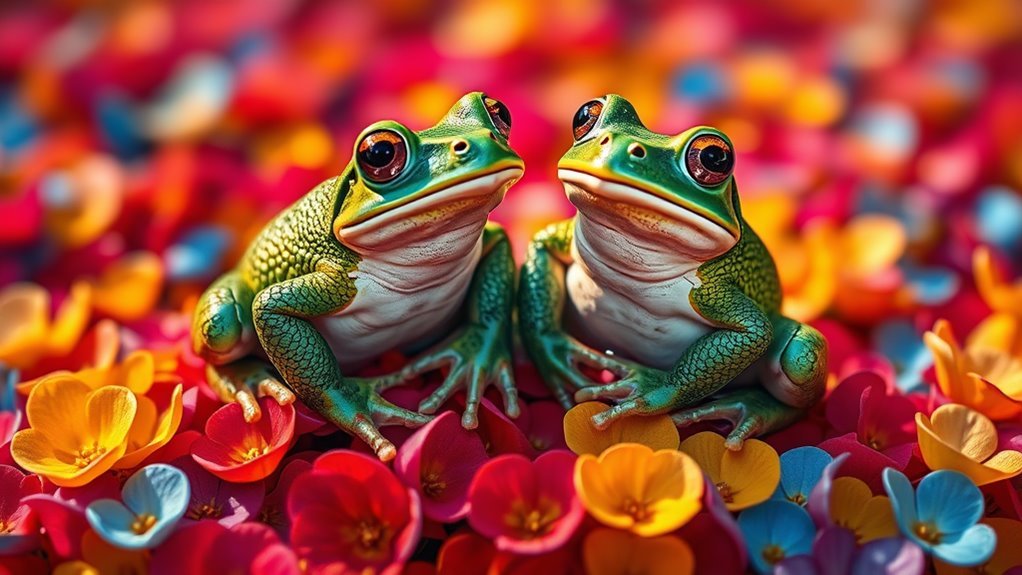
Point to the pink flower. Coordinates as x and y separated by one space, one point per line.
213 498
714 538
62 514
274 511
239 451
526 507
867 404
19 527
542 423
438 462
208 548
351 514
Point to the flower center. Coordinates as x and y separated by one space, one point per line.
254 452
86 455
773 554
533 522
371 538
726 492
272 515
208 510
639 510
143 523
433 485
927 531
6 527
797 499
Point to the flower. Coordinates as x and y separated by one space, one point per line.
75 433
985 379
1008 553
129 287
609 552
98 556
743 478
1002 329
775 530
630 486
956 437
274 509
540 421
941 516
152 427
863 462
154 499
835 551
655 432
801 469
438 461
714 537
26 332
62 514
19 525
209 548
213 498
849 503
866 403
239 451
526 507
350 513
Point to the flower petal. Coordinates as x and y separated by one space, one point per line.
159 489
903 500
610 552
111 411
950 500
752 474
774 523
656 432
707 449
965 430
892 556
801 469
973 547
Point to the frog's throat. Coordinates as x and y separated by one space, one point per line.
490 184
671 206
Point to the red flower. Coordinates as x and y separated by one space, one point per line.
526 507
351 514
438 462
19 526
209 548
237 451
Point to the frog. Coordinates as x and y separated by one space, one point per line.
395 253
660 281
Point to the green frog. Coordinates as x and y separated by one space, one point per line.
660 280
394 253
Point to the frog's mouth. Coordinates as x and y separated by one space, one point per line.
488 188
670 206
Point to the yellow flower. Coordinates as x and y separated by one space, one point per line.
1008 553
983 378
743 478
612 552
26 332
956 437
1002 329
129 288
151 428
630 486
854 507
75 433
655 432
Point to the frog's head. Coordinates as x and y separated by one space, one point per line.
658 187
405 186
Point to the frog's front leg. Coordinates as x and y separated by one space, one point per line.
281 314
793 377
479 353
223 335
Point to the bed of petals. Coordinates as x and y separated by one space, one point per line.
142 144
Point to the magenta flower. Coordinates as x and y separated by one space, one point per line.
835 551
714 537
62 514
868 404
241 452
209 548
351 514
274 511
863 462
542 424
526 507
213 498
499 433
19 526
438 462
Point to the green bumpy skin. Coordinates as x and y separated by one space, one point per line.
649 204
310 286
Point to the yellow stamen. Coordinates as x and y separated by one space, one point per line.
86 455
725 492
208 510
797 499
432 485
639 510
773 554
927 531
532 522
143 523
6 527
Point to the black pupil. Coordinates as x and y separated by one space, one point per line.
716 159
379 154
583 115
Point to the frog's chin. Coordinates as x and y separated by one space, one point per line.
454 208
645 215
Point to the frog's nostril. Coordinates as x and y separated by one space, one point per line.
460 147
605 141
637 150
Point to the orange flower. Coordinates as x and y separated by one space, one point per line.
956 437
129 288
610 552
26 332
655 432
1002 329
75 433
854 507
743 478
630 486
983 378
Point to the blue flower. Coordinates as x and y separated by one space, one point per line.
155 498
801 469
941 516
774 530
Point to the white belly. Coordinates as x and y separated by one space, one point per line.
404 315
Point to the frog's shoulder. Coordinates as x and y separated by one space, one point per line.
293 242
749 265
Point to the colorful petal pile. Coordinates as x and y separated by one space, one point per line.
142 144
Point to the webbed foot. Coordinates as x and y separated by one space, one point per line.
752 412
245 380
356 407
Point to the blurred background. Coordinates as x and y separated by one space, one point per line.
142 143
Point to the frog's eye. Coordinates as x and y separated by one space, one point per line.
382 155
709 159
499 115
586 118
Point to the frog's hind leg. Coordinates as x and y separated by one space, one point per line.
792 379
223 334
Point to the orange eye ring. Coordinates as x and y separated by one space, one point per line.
585 118
500 115
382 155
709 159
